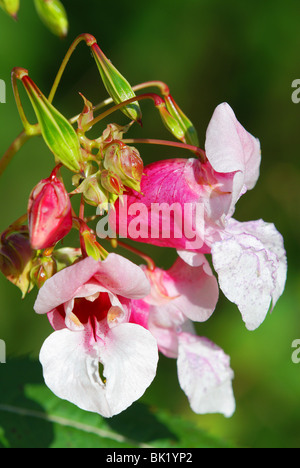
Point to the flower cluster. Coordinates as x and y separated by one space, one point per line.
111 317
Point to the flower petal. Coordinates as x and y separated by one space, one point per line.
230 148
193 259
123 277
196 288
116 274
130 359
252 267
165 325
71 367
165 211
205 375
62 287
69 371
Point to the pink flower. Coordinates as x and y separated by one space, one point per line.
89 306
185 186
49 213
179 296
249 257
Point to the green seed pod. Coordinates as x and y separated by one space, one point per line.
53 15
116 85
58 133
11 7
190 133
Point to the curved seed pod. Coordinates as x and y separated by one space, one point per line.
58 133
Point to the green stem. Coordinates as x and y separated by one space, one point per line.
12 150
159 84
164 89
83 37
200 152
150 263
17 74
157 99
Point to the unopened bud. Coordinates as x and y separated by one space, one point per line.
16 257
190 133
86 115
49 213
11 7
43 269
53 15
66 256
91 246
111 182
56 130
170 122
93 193
124 161
113 132
116 85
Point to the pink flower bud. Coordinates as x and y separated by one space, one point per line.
49 213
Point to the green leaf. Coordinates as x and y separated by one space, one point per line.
31 416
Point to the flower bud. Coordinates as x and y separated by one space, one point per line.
93 193
66 256
190 133
86 115
53 15
49 213
116 85
113 132
111 182
58 133
43 269
11 7
89 244
92 247
124 161
16 257
170 122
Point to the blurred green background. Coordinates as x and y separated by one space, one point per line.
208 51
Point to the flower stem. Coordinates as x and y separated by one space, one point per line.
157 102
157 99
164 89
159 84
81 209
17 225
19 73
200 152
12 150
64 63
150 263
